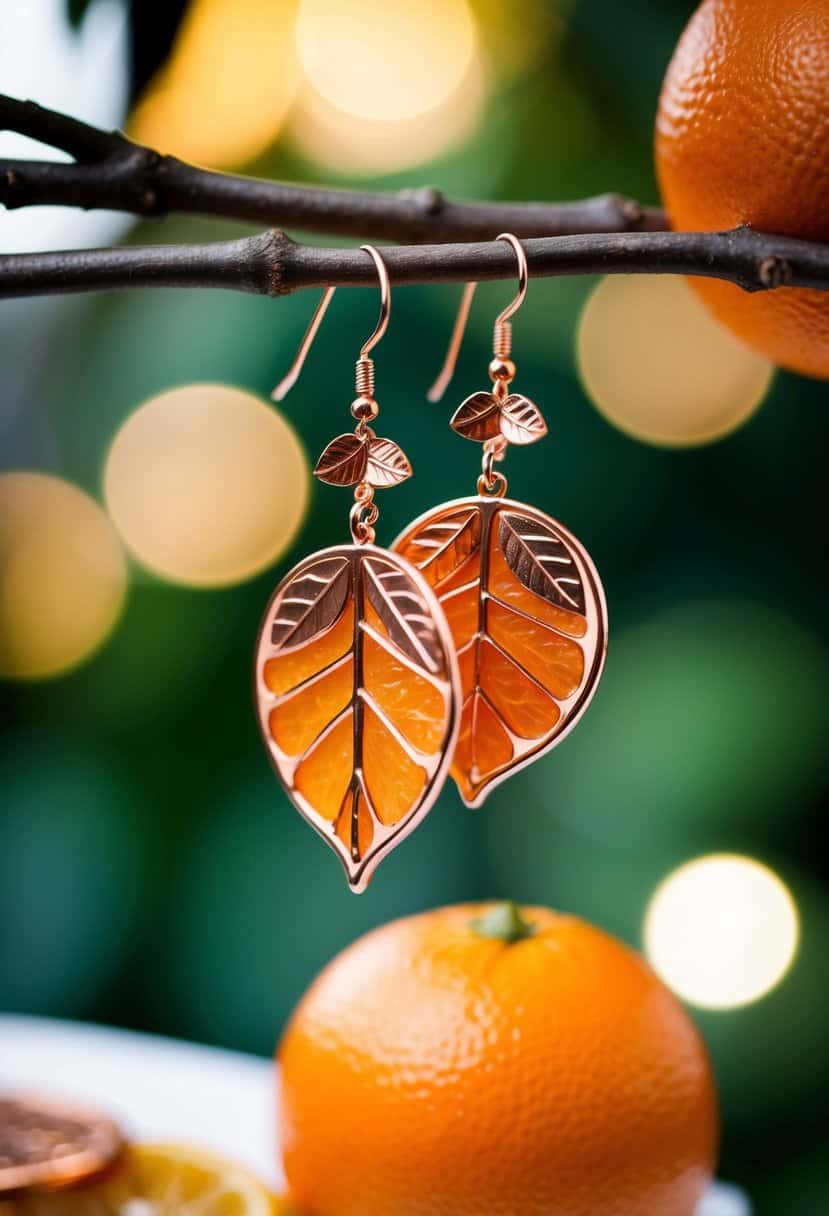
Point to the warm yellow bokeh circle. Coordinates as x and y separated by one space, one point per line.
351 144
63 576
722 930
206 484
223 95
387 84
385 59
658 366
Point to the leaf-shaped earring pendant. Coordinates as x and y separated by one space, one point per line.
356 680
529 622
357 691
524 602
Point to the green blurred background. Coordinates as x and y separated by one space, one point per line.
152 874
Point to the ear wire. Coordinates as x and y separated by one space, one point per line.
502 333
365 366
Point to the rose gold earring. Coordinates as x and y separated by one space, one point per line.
356 680
521 594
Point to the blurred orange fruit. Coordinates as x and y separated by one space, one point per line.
479 1060
742 137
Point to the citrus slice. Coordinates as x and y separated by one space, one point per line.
160 1180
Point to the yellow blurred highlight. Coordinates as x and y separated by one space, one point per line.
389 84
387 60
351 145
206 484
722 931
63 576
222 98
658 366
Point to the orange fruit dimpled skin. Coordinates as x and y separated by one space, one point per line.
432 1070
742 137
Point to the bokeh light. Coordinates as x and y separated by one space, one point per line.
207 485
684 750
349 144
722 931
63 576
222 97
385 59
658 366
771 1057
724 1200
388 84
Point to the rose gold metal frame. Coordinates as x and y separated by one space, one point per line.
593 643
386 837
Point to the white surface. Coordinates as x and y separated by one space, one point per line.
164 1090
158 1089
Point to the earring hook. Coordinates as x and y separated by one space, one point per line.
502 329
292 375
385 301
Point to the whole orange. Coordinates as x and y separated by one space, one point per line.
742 137
478 1061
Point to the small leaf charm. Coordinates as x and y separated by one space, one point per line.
484 416
387 464
521 420
344 461
478 418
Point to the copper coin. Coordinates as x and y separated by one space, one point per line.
47 1144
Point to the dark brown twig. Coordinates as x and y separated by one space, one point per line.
112 172
272 264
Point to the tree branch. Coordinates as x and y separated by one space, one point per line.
112 172
272 264
604 235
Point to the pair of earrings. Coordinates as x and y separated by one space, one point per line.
470 647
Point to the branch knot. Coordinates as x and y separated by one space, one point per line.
15 193
774 271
